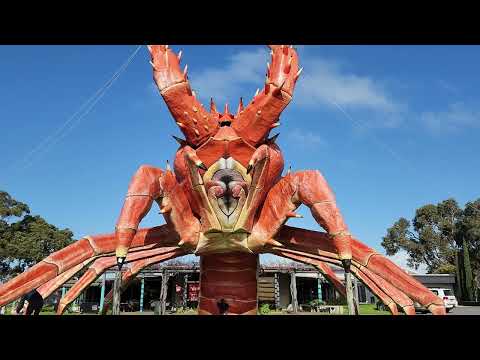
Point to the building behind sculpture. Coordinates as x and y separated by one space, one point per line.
274 287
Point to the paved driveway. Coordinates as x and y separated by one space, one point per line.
465 310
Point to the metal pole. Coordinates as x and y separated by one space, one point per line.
116 293
102 292
163 292
185 290
319 285
349 288
142 289
277 291
293 290
355 296
160 299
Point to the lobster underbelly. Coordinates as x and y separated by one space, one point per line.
228 284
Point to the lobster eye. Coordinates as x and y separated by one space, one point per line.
225 123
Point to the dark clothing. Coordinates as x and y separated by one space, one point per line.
33 309
222 307
35 303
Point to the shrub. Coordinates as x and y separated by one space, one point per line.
265 309
338 301
183 310
316 302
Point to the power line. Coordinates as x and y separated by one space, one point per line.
51 140
397 157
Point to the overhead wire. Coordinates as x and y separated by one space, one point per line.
74 120
393 153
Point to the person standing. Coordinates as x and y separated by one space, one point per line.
222 307
29 304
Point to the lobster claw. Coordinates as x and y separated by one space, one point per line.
196 123
263 112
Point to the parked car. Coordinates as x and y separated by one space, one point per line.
449 299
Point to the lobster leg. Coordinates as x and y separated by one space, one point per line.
134 269
102 264
309 259
329 274
387 293
373 269
308 188
51 286
266 164
142 191
83 250
311 189
322 266
152 184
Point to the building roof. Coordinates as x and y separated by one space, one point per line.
435 278
272 268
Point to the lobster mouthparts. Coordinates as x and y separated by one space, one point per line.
227 186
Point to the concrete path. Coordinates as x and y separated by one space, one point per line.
465 310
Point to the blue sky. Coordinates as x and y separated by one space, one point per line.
390 127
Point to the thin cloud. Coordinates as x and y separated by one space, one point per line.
306 139
448 87
322 83
325 81
223 84
457 117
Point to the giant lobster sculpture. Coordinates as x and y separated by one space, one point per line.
227 202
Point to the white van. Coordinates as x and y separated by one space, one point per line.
449 299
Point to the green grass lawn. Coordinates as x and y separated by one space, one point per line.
187 312
368 309
365 309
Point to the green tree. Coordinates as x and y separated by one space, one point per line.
27 240
443 237
470 236
467 268
430 239
10 207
